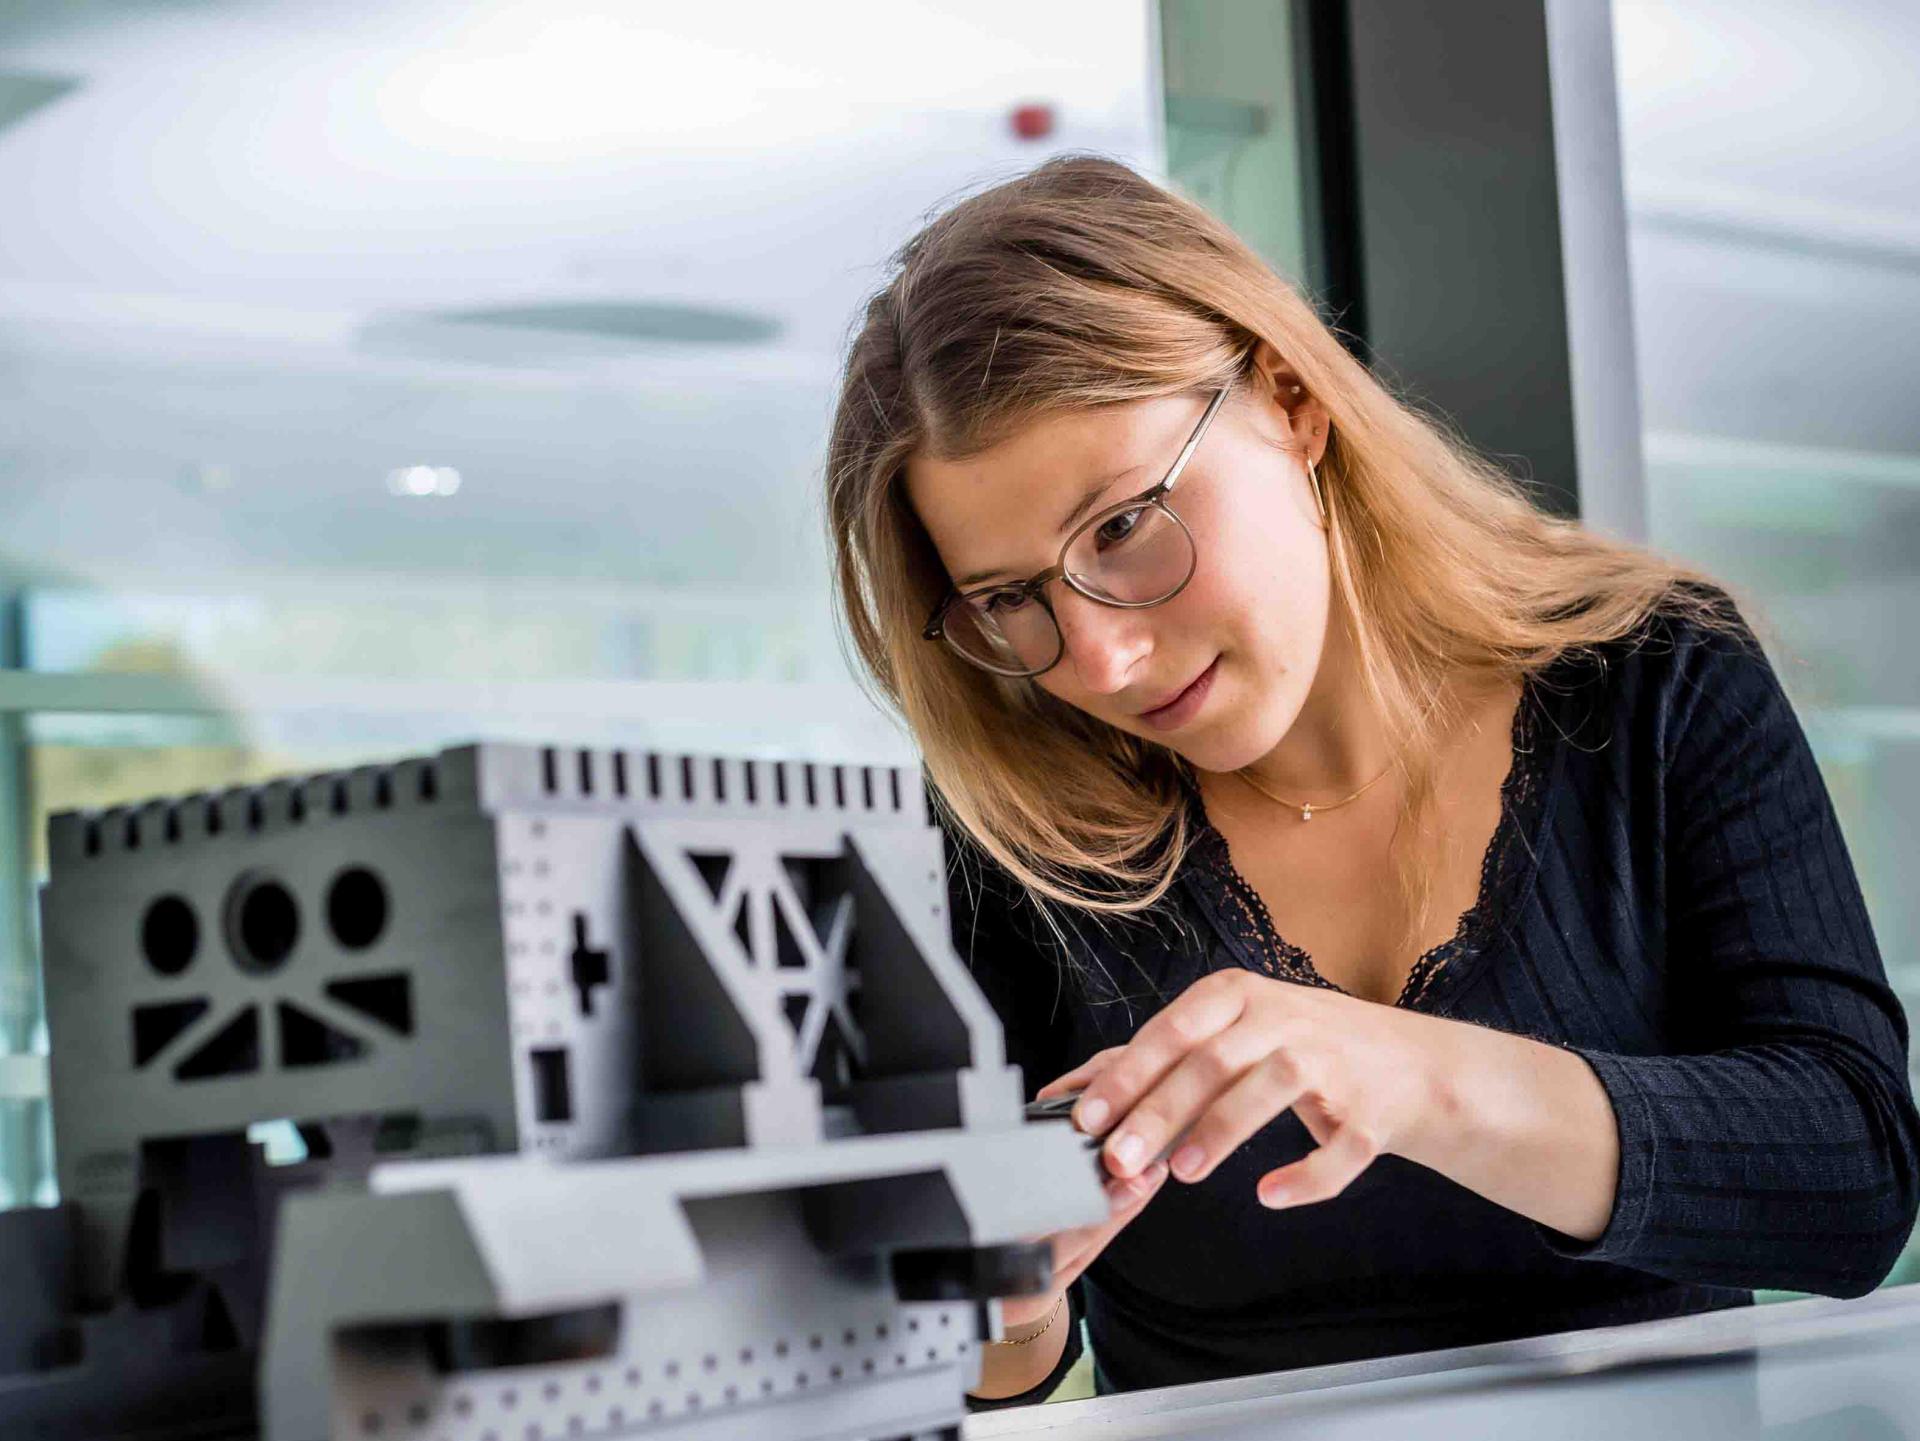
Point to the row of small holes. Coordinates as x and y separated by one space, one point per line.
373 1422
256 810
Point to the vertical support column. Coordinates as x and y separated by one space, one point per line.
23 1107
1489 238
1593 248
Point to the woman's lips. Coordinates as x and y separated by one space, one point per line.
1183 707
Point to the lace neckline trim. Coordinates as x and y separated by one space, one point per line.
1506 863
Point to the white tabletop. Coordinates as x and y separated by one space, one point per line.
1815 1370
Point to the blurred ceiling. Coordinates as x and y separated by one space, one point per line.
600 260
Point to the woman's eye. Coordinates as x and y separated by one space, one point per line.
1117 528
1002 601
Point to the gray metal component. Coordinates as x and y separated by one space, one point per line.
684 1034
747 1282
196 987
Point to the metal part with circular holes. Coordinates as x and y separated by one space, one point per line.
262 922
357 908
169 935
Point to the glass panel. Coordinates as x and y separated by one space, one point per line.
1234 122
1776 269
452 629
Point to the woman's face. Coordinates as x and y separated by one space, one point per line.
1219 672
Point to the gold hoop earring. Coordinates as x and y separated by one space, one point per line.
1319 495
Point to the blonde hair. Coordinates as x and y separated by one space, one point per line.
1080 284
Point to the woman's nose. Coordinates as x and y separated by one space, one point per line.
1104 643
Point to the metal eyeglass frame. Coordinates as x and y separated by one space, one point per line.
1034 588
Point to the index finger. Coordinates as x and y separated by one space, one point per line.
1078 1077
1204 1009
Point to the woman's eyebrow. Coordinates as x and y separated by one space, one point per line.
1096 488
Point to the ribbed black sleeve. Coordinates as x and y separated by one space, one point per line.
1778 1147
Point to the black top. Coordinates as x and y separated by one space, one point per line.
1667 894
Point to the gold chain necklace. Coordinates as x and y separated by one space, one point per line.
1306 809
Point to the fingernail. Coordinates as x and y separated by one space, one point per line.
1273 1194
1187 1160
1090 1115
1128 1150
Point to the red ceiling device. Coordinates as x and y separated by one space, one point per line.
1033 122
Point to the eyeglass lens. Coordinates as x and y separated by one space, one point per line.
1136 556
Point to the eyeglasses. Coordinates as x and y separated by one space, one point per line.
1131 555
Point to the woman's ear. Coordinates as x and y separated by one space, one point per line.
1303 417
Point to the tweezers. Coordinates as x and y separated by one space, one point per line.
1060 1108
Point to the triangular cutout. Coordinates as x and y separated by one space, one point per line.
743 932
788 952
154 1027
800 876
796 1007
808 876
306 1040
713 867
233 1051
386 998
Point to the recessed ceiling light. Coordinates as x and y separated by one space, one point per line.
422 480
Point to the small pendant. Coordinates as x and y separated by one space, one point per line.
1306 813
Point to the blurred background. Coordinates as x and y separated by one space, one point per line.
375 377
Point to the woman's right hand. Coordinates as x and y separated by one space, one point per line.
1074 1250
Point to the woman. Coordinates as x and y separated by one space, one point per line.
1437 904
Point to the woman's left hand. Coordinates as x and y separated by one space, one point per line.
1232 1052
